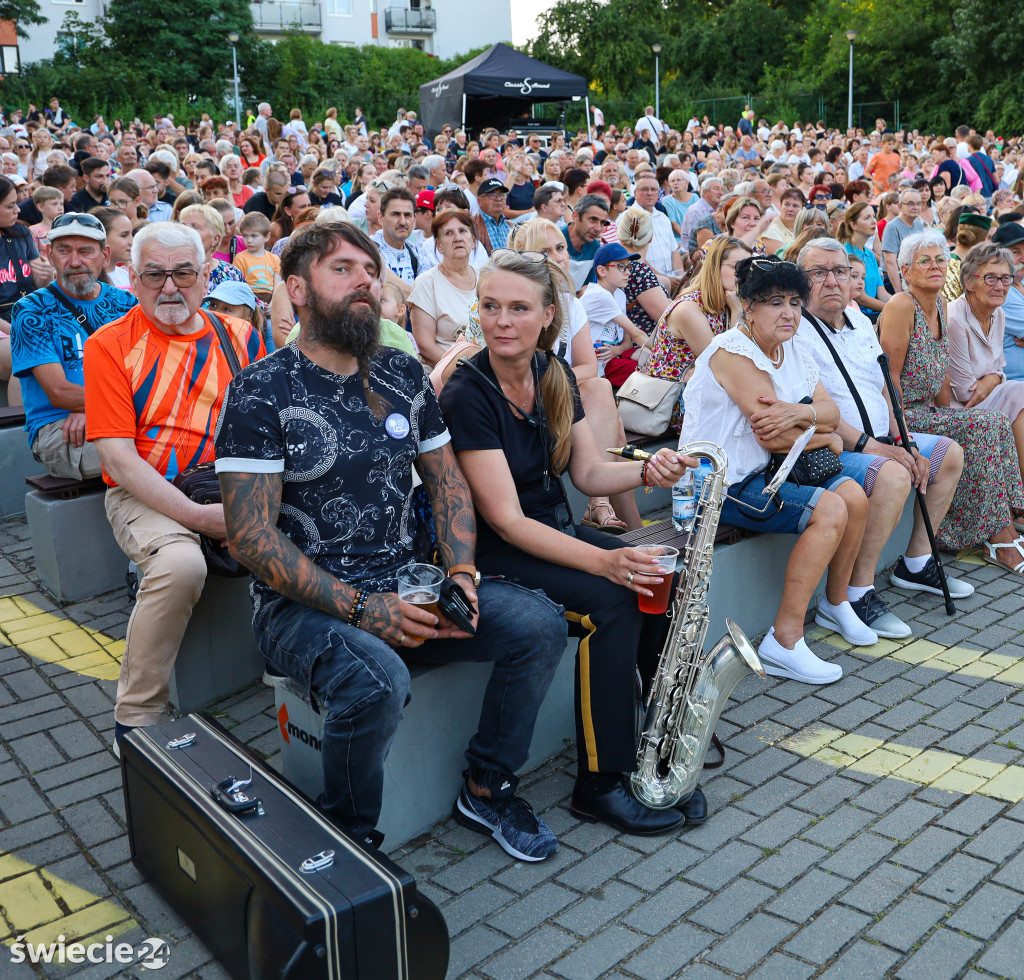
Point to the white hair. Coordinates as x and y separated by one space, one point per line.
332 214
167 156
432 162
169 234
825 243
912 244
309 158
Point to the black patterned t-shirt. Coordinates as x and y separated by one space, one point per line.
347 475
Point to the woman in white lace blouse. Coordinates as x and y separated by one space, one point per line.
753 394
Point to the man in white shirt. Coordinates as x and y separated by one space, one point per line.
650 124
662 254
932 462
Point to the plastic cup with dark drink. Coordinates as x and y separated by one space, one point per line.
658 603
420 585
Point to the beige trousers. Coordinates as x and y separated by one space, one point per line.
61 458
174 572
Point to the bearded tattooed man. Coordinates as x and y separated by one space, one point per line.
315 450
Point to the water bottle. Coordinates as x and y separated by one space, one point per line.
684 502
704 470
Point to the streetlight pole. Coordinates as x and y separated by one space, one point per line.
850 35
656 48
233 38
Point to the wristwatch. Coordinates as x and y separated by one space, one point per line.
861 443
469 570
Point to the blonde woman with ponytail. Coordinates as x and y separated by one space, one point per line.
517 424
574 346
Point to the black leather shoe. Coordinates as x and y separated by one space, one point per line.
695 809
617 807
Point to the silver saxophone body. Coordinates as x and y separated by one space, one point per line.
690 688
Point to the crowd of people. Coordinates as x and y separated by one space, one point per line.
324 310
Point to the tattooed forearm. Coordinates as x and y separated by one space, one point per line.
251 505
454 520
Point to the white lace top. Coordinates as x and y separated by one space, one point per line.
712 416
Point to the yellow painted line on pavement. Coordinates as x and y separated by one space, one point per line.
923 767
955 660
54 639
40 906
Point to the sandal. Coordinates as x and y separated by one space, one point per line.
990 554
610 525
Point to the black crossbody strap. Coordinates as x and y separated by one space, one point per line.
864 420
225 342
75 311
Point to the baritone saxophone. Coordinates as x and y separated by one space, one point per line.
690 688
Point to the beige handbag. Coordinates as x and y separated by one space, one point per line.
646 403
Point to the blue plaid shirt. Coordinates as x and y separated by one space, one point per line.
498 231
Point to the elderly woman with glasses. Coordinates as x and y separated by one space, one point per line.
517 424
753 392
977 324
913 333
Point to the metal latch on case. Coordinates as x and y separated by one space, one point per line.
317 862
186 741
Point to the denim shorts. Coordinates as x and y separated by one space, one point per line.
864 467
758 512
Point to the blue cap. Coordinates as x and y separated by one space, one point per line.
234 294
613 252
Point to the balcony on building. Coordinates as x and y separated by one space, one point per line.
275 16
410 20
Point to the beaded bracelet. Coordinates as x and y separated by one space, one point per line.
358 605
648 487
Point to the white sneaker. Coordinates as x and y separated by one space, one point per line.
798 664
843 620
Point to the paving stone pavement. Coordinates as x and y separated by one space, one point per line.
870 829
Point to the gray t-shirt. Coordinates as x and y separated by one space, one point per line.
896 230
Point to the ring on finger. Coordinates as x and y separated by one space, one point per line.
629 579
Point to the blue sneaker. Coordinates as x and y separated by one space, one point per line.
510 820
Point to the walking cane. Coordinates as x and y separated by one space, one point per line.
897 410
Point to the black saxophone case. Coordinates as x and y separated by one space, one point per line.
267 881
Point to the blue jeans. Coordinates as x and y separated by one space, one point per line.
363 685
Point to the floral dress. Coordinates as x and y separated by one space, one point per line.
672 357
991 484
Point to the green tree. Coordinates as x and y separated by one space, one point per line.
22 12
175 47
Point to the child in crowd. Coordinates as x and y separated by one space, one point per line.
238 300
262 270
119 240
50 202
392 315
611 331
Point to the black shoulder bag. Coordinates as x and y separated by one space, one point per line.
864 420
75 311
200 484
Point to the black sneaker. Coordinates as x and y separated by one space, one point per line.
927 580
510 820
872 610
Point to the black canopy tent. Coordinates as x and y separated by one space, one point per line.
494 88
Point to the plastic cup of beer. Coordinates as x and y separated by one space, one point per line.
420 585
658 603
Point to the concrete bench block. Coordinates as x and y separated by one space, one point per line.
75 551
423 771
16 463
218 655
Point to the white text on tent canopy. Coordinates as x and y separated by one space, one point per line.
527 85
440 87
